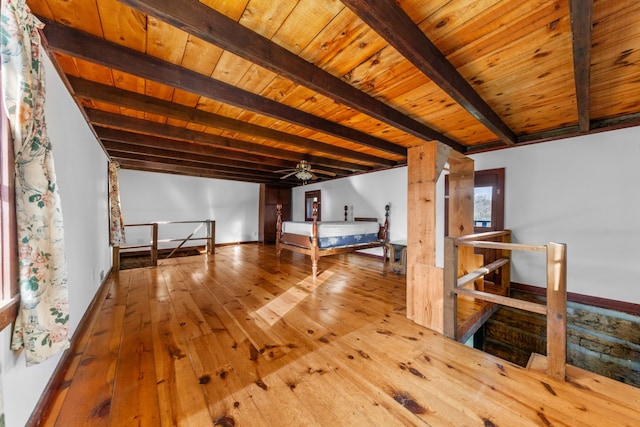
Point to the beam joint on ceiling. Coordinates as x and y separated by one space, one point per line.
601 125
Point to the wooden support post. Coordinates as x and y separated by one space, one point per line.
154 243
556 310
450 299
115 255
211 237
461 200
424 279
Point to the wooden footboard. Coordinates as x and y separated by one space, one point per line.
309 245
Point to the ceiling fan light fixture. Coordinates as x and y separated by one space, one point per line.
304 175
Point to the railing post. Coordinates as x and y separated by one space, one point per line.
556 310
154 244
211 237
115 251
505 270
449 283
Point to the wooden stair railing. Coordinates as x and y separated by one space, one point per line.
555 309
153 245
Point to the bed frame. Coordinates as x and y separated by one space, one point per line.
309 245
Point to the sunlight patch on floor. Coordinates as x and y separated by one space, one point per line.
277 308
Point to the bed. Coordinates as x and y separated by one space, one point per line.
320 238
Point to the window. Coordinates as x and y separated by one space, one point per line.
9 293
482 206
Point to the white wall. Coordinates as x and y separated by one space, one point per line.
579 191
583 192
81 169
148 197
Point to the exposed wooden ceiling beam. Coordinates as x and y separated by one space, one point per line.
208 24
170 162
581 24
150 166
75 43
148 141
98 92
388 20
177 154
118 121
143 140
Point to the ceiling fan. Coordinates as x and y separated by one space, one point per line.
304 172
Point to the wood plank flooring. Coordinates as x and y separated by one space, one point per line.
241 338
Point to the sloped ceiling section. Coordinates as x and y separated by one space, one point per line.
246 89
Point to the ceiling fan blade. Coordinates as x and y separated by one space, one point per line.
288 175
285 170
323 172
313 176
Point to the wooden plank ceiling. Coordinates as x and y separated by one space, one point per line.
242 89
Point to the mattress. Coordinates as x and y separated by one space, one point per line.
336 234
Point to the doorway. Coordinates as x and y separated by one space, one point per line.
488 210
309 198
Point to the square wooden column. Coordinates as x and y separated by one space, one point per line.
424 279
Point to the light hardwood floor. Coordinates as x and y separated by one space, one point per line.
241 338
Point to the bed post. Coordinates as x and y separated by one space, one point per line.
278 228
385 233
315 255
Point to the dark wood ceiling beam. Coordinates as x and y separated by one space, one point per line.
98 92
581 25
140 139
153 142
210 25
149 166
98 117
161 159
388 20
177 154
205 151
85 46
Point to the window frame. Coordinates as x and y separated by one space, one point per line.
9 291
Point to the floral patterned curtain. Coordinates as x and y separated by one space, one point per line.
42 327
115 217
